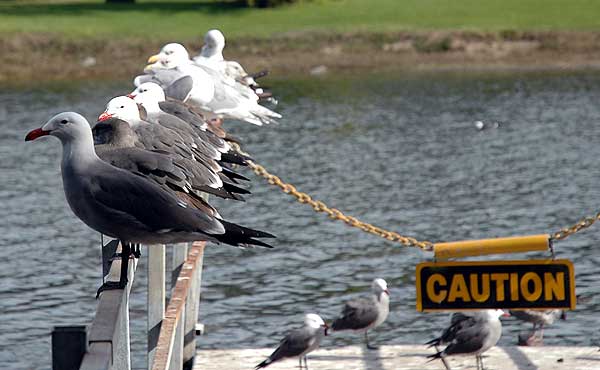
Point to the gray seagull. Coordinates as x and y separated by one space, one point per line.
131 208
299 342
539 319
365 313
469 333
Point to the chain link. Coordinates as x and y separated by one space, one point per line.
580 225
336 214
333 213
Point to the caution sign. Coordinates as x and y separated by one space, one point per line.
543 284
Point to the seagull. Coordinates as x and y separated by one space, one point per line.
128 207
470 333
216 95
365 313
539 319
299 342
211 55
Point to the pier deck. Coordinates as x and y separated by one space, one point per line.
405 357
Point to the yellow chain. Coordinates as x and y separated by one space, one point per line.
580 225
334 213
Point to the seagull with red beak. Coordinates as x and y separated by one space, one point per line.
126 206
365 313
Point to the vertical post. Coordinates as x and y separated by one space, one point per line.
69 344
191 310
156 296
179 256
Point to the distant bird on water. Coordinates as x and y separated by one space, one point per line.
299 342
365 313
471 333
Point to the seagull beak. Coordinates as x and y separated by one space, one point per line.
563 315
506 314
104 116
148 68
131 96
34 134
326 328
153 59
387 292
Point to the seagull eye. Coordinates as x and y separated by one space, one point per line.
64 121
122 106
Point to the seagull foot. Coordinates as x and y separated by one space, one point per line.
372 347
111 285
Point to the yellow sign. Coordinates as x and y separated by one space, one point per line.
531 284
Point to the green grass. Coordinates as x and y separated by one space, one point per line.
183 20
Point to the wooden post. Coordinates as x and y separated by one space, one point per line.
69 344
156 296
179 257
191 311
108 342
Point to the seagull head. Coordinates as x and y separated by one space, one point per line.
214 43
66 126
496 314
314 321
380 286
148 94
121 107
170 56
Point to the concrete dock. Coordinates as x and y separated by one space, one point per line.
405 357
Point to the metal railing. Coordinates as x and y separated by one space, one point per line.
171 331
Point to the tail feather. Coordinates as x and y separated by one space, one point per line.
263 364
434 342
242 236
435 356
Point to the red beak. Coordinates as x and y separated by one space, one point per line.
104 116
131 96
387 292
506 314
34 134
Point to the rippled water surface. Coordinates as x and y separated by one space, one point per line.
399 151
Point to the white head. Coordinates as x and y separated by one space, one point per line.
314 321
121 107
214 43
170 56
496 314
66 126
148 95
379 286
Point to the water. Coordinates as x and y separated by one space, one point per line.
398 151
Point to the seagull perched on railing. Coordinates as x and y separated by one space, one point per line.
365 313
126 206
469 333
299 342
211 56
212 92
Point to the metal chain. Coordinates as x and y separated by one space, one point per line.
334 213
580 225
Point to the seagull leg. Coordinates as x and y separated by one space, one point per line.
443 358
137 250
369 346
305 363
122 283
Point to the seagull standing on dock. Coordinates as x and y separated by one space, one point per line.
366 313
539 319
131 208
470 333
299 342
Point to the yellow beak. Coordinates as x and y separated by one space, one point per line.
153 59
148 68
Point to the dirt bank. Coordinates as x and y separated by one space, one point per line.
27 57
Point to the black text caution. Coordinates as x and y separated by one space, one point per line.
540 284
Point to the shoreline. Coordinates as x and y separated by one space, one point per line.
53 58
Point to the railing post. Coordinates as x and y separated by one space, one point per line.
191 313
156 296
179 257
69 344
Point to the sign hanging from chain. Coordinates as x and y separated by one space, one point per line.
475 285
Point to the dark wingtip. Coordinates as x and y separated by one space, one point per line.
433 342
